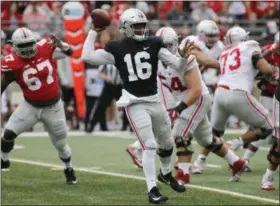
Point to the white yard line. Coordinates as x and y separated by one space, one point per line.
226 192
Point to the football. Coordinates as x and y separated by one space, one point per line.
100 18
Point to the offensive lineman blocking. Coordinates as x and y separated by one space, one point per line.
31 65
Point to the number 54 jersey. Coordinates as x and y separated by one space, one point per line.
237 69
174 80
37 76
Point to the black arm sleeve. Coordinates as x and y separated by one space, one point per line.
6 79
256 58
68 52
277 93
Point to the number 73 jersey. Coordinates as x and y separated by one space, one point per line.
237 69
37 76
175 81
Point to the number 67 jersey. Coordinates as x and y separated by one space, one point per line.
237 69
37 76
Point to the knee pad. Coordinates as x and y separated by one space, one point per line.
164 152
9 135
151 144
217 133
274 153
185 143
216 144
264 133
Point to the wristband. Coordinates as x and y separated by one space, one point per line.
180 107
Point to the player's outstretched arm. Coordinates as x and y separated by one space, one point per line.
205 61
171 60
92 56
61 47
261 64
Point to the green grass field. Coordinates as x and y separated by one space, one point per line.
107 177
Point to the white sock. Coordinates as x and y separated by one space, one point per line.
165 164
5 156
136 145
65 154
230 157
238 141
201 158
185 166
270 173
248 154
148 163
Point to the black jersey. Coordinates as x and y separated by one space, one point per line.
137 62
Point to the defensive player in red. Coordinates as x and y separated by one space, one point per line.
32 66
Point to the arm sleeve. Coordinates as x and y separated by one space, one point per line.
171 60
95 57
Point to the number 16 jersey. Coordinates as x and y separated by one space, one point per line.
237 69
37 76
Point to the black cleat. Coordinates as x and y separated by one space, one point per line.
155 197
5 165
171 181
70 176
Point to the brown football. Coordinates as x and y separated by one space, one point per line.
100 18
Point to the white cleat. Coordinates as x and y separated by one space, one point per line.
198 167
267 183
136 155
234 144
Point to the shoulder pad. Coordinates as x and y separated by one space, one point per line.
9 63
192 38
252 43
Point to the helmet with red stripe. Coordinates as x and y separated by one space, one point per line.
208 32
24 42
236 35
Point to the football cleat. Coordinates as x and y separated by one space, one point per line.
237 169
70 176
155 197
135 156
181 177
234 144
171 181
5 165
198 167
248 168
267 183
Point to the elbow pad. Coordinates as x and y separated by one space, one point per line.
256 58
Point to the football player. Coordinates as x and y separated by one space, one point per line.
274 153
32 66
193 103
268 87
240 60
136 57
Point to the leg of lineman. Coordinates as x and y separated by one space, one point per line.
139 116
53 118
23 118
162 130
251 112
274 153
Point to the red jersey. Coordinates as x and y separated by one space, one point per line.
268 87
6 49
36 76
274 58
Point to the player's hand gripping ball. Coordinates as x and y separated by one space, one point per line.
100 19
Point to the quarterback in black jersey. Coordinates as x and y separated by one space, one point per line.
136 57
